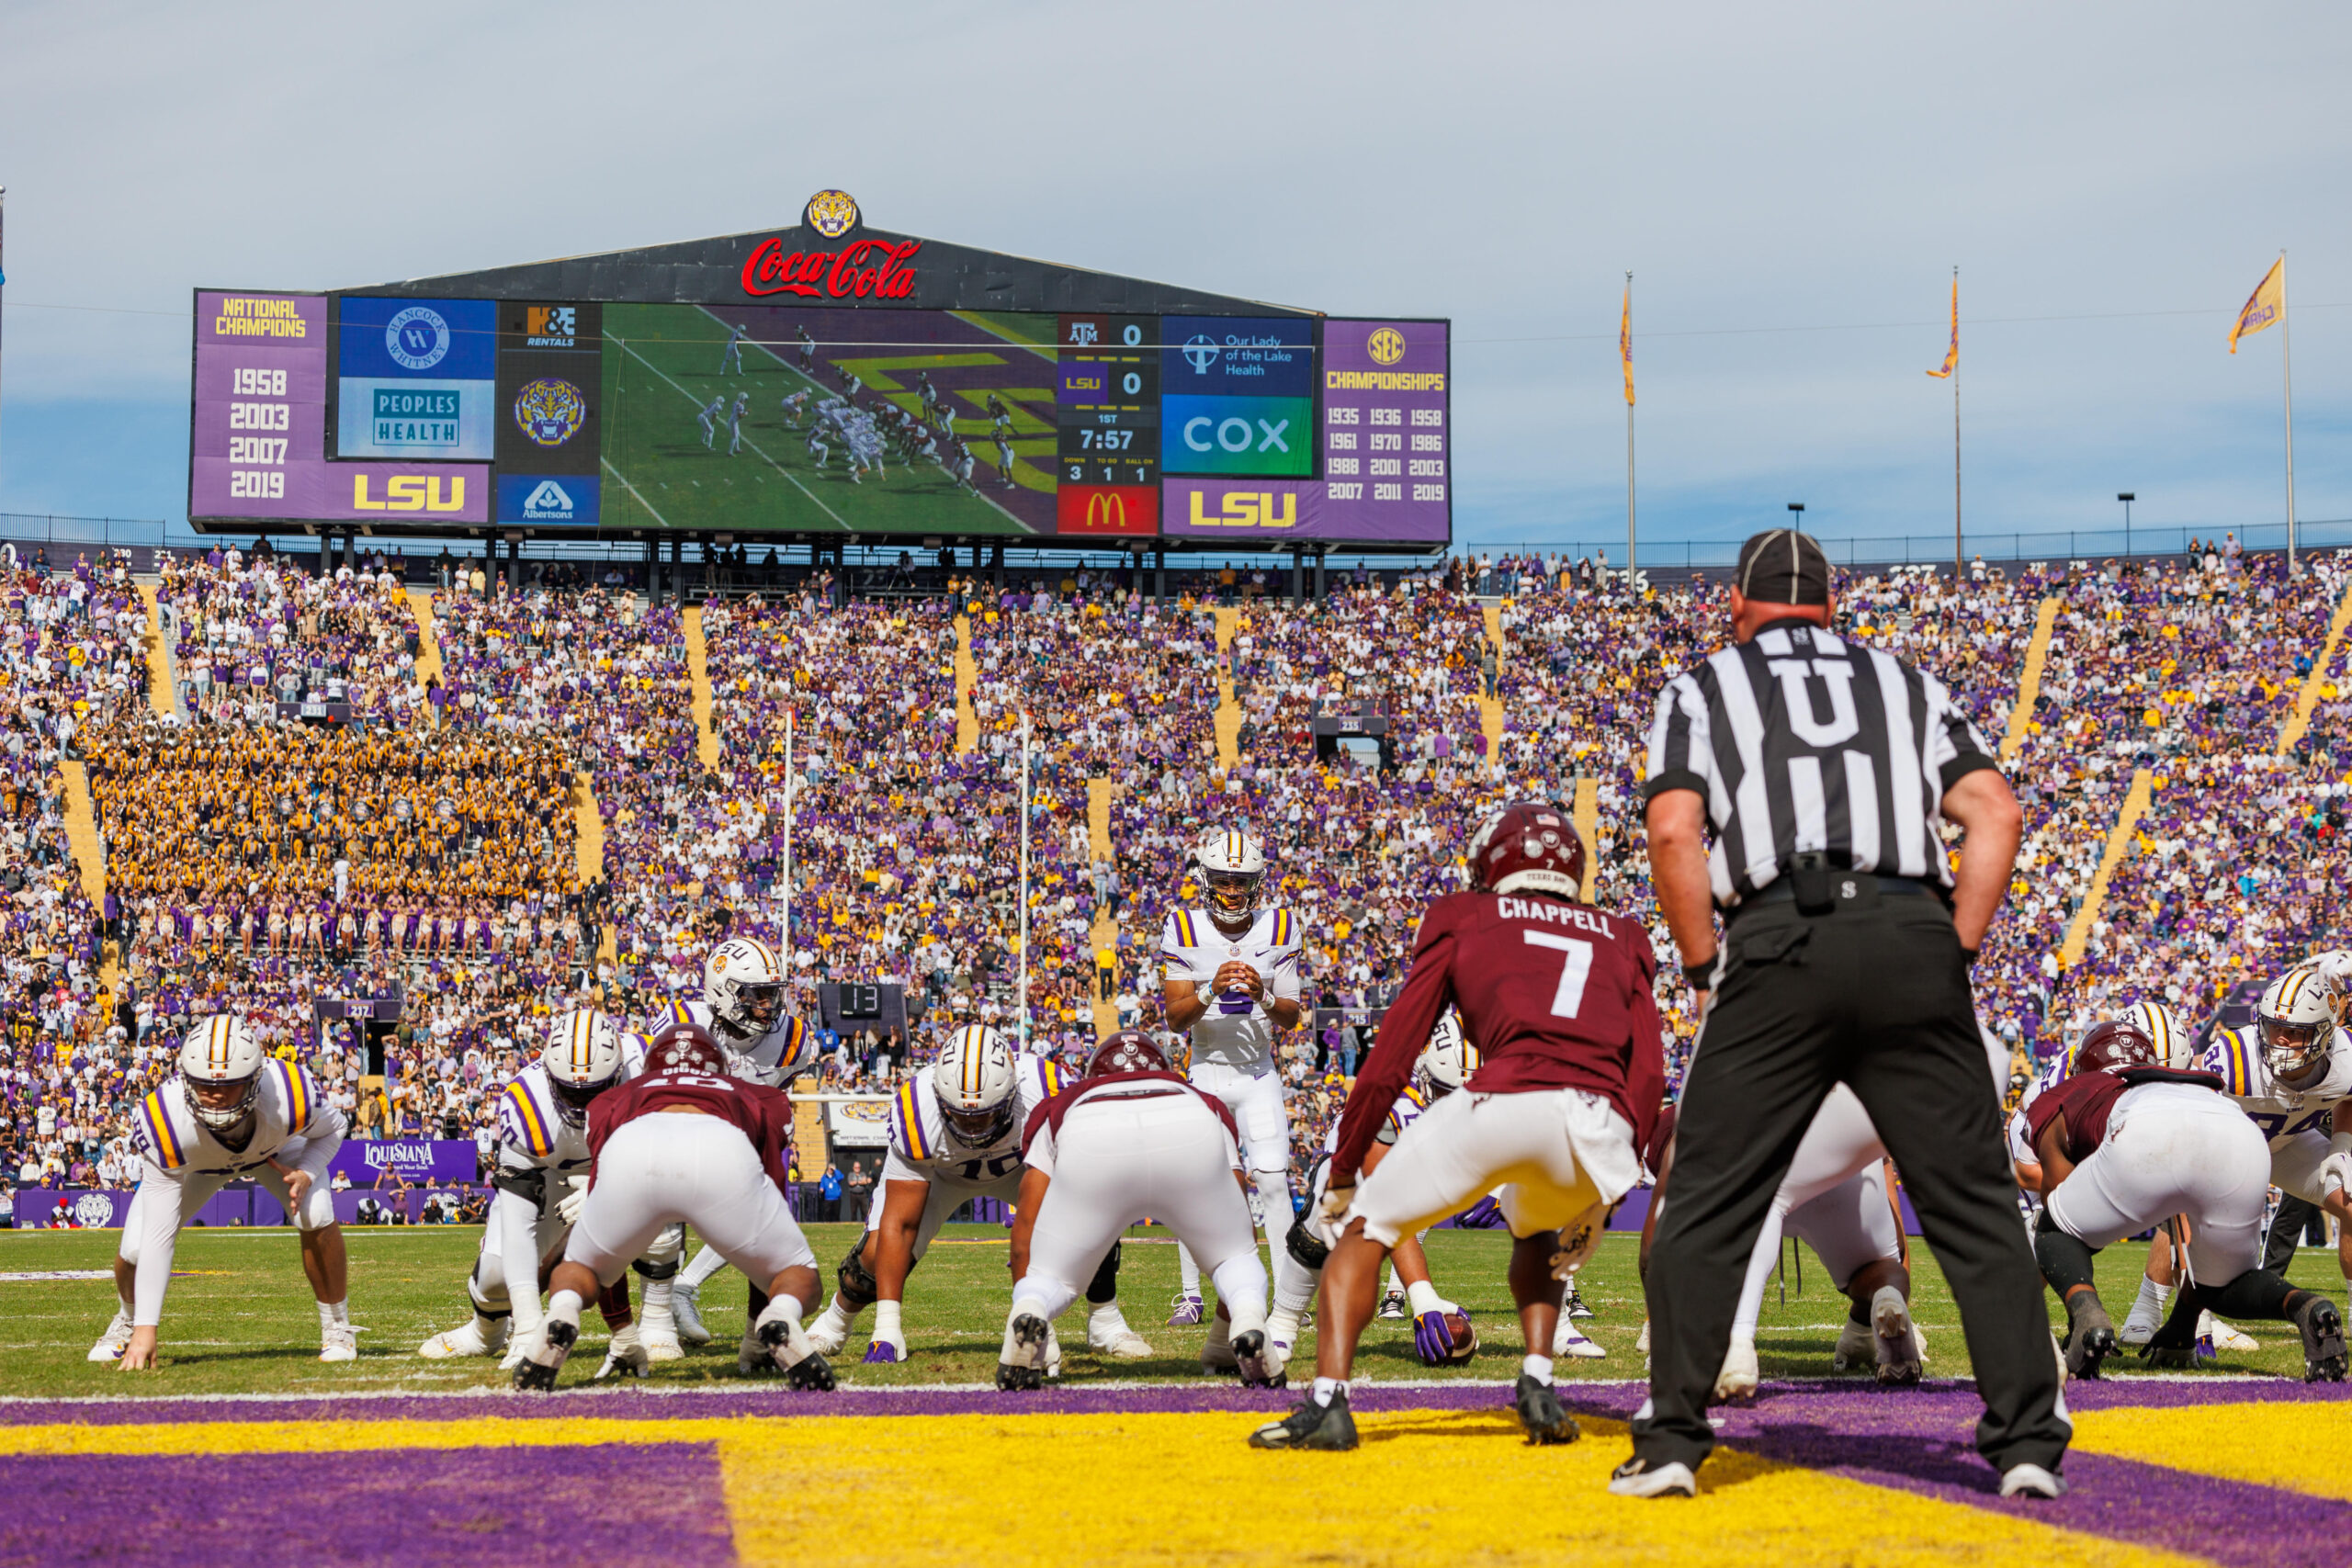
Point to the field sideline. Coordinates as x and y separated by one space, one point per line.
399 1461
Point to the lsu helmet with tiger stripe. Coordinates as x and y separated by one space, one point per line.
1448 1060
2296 1022
583 1058
1232 865
974 1081
2164 1032
220 1063
742 983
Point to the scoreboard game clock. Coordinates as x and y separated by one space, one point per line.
1107 400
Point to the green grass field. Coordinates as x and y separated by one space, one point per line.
661 367
241 1320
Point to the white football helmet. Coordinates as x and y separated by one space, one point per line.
1448 1060
974 1080
221 1064
742 983
1232 865
583 1058
2295 1024
2164 1029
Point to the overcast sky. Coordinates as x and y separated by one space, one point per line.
1791 186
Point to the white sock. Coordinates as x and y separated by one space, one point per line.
335 1314
781 1309
705 1263
1188 1271
1325 1387
1422 1296
887 1323
1107 1319
656 1309
1388 1287
2150 1302
1537 1367
564 1307
1281 1326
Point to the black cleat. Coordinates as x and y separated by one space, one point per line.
2323 1349
812 1374
539 1377
1539 1411
1028 1344
1311 1426
1573 1306
1392 1307
2091 1341
1249 1357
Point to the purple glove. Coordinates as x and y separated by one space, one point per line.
882 1350
1432 1343
1485 1215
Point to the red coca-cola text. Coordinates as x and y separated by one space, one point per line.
875 269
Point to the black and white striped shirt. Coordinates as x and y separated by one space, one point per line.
1799 740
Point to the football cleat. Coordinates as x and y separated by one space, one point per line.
2225 1337
751 1358
1311 1425
339 1344
686 1306
1573 1305
1392 1307
1218 1356
812 1374
469 1340
625 1354
1541 1412
1020 1368
1857 1348
1899 1359
1189 1311
787 1346
1738 1377
2091 1342
114 1340
1567 1339
535 1371
1259 1366
1120 1344
2031 1481
2325 1355
1635 1477
829 1335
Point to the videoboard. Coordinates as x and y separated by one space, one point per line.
817 418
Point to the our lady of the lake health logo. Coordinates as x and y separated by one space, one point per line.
417 339
549 411
831 213
1387 345
1202 353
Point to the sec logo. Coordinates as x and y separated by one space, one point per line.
549 411
1387 345
831 213
417 339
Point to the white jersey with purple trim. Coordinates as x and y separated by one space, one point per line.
2020 1149
1401 1115
774 1059
289 1113
923 1143
1235 1031
2281 1113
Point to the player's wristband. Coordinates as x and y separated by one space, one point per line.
1701 976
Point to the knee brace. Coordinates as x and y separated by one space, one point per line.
661 1259
855 1280
2066 1261
487 1291
645 1270
2257 1293
1105 1286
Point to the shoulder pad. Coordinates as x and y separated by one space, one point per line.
912 1134
524 1119
158 1138
1181 932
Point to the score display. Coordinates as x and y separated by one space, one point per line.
1107 400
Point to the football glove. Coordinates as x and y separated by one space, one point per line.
2336 1173
568 1207
1334 1208
2336 967
1432 1343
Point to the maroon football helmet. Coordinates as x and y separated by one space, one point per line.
683 1047
1129 1051
1528 846
2113 1045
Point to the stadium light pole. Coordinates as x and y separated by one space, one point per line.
2127 498
1022 1037
1796 515
784 918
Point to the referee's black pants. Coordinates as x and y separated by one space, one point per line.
1874 993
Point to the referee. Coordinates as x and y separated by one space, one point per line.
1824 771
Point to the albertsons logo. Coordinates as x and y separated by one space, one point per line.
547 502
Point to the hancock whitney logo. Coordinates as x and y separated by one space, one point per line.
549 503
418 338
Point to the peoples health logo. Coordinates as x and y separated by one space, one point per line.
549 502
418 338
549 411
1202 353
1386 345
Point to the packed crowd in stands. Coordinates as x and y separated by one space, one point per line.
431 858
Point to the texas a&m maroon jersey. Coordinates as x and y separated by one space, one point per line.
1554 995
761 1114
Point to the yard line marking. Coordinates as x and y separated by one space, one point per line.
635 492
754 445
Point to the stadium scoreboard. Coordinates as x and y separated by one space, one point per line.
817 390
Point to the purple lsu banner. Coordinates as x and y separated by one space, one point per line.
257 438
368 1162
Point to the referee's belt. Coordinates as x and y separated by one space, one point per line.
1826 890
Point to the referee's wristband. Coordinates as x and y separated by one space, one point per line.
1701 976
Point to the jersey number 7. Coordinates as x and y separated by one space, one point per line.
1574 969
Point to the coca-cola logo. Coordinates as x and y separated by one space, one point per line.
869 269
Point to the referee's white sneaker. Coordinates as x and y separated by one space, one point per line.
2031 1481
1739 1375
1634 1478
1569 1340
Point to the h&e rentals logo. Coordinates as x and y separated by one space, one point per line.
550 326
418 338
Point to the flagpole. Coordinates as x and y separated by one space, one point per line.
1959 548
783 920
1022 1037
1630 562
2287 376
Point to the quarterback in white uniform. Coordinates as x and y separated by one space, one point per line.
232 1113
743 1008
2291 1072
541 1183
955 1137
1230 977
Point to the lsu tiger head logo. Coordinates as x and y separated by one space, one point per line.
549 411
831 213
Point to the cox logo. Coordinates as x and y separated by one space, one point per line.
418 338
1233 434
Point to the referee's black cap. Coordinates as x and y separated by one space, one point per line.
1782 566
